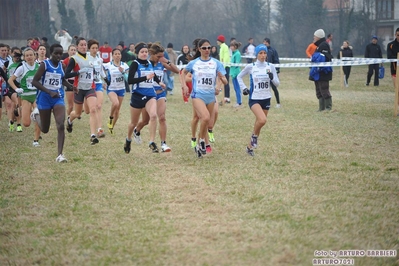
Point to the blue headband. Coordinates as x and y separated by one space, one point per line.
260 47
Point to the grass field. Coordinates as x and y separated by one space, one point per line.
318 181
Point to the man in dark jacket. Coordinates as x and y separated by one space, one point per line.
272 57
322 82
373 50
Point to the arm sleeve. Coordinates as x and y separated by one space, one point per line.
243 73
132 71
275 80
57 37
3 74
70 67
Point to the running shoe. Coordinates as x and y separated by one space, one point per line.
153 147
202 147
250 152
19 128
137 137
197 152
110 128
33 114
211 137
35 144
254 141
61 159
100 133
94 140
127 146
165 148
193 144
208 149
11 127
69 126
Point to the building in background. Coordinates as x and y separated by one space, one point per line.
21 19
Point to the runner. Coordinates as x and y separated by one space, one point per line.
49 80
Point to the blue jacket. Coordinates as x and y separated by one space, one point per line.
314 73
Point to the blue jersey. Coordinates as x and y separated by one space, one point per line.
52 80
145 88
204 74
52 77
159 71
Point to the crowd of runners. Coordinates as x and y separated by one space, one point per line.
71 77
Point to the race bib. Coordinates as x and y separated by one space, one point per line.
52 81
148 83
29 85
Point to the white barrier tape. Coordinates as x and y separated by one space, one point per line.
363 61
337 62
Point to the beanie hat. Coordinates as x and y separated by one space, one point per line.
221 38
374 37
319 33
170 45
260 47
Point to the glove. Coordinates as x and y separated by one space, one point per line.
19 90
245 91
85 70
270 75
107 81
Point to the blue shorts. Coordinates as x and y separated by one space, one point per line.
161 95
139 101
207 98
45 102
99 87
120 93
265 104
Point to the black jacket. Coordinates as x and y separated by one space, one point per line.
373 51
324 48
272 57
392 53
346 52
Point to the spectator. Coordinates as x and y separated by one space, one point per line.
322 75
329 41
65 40
249 50
373 50
310 50
346 52
224 55
272 57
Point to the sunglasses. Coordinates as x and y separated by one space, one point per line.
206 48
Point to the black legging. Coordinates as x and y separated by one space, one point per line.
276 94
373 68
227 86
347 72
